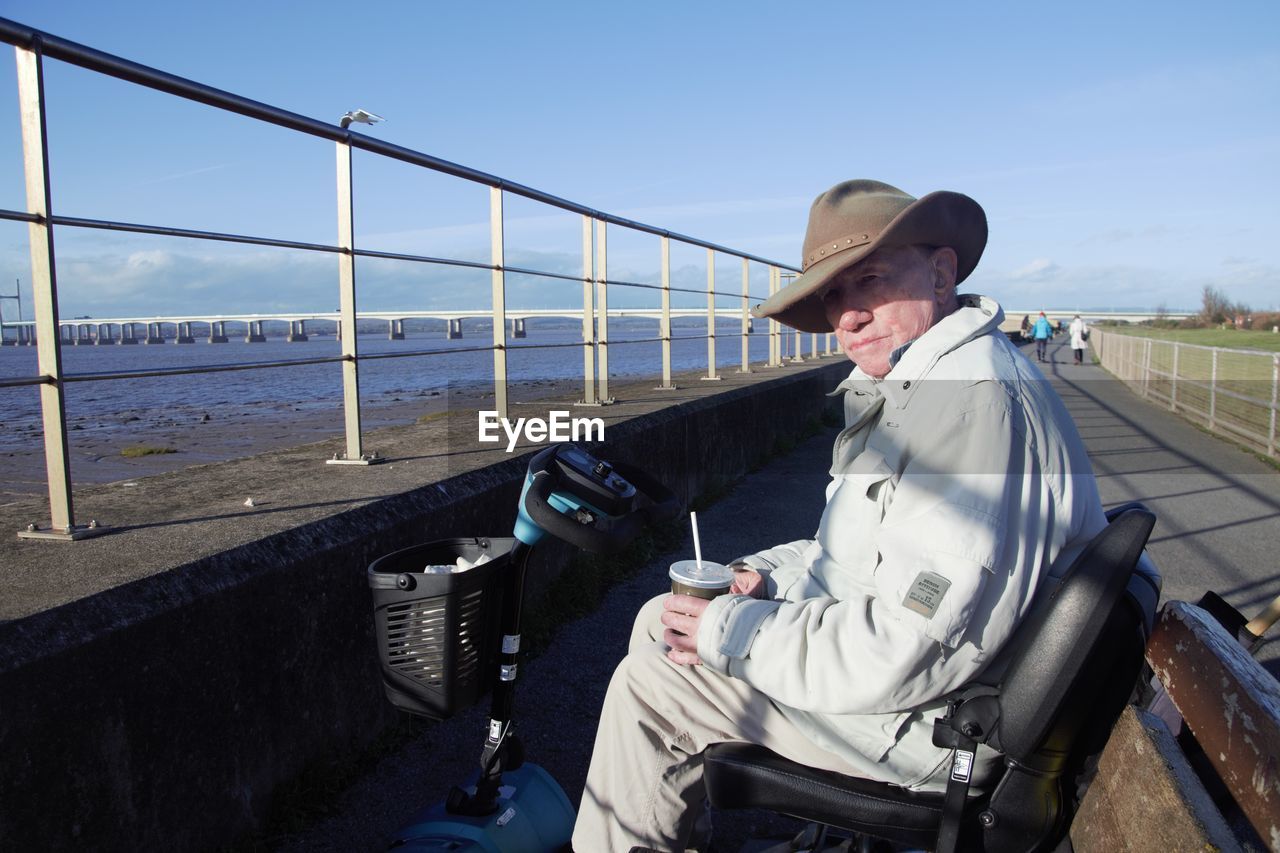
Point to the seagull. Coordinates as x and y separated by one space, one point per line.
361 116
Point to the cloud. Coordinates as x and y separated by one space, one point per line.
716 209
1043 283
1040 269
219 279
1130 235
180 175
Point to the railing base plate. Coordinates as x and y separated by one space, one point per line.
66 534
364 460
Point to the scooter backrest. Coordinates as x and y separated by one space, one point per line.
1062 631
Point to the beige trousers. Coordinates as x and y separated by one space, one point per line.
644 786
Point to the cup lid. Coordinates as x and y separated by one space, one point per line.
707 576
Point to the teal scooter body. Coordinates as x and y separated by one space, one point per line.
533 815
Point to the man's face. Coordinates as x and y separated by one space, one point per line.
890 297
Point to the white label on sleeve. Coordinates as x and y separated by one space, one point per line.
926 593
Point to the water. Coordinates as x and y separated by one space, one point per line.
130 405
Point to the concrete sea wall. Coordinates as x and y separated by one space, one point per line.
168 711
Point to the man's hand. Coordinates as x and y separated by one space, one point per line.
682 614
747 581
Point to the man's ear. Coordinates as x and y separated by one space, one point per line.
944 263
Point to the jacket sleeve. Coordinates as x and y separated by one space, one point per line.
781 564
960 548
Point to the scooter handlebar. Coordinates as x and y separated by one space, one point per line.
593 530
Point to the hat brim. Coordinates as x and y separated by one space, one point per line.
938 219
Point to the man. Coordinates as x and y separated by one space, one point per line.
959 484
1042 331
1079 334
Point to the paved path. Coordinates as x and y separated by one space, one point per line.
1218 529
1218 506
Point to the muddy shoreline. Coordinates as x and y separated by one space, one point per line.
194 435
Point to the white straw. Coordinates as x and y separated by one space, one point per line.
697 546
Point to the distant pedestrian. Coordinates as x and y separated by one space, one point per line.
1079 335
1041 331
1025 328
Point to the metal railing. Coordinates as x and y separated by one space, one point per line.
33 47
1231 392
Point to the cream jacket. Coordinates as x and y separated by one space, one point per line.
958 484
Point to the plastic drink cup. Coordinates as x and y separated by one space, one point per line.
703 581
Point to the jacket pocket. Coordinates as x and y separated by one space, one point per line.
850 526
937 594
935 570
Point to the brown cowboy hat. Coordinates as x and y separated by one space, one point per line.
853 219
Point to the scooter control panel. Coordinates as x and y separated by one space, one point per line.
593 480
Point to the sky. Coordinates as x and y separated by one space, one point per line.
1127 155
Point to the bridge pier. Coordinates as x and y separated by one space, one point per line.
127 335
253 333
297 331
184 335
84 335
105 338
217 332
395 330
455 330
517 328
155 333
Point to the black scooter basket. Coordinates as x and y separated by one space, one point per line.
438 633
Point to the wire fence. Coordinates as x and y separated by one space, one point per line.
1230 392
46 331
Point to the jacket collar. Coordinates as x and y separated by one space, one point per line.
976 316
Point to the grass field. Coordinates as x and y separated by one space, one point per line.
1225 380
1267 341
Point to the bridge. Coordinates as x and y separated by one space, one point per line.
182 329
83 331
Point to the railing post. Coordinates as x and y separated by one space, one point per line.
602 305
775 328
588 315
664 323
44 286
1271 427
1173 387
1213 391
1146 368
354 454
498 259
746 318
711 317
